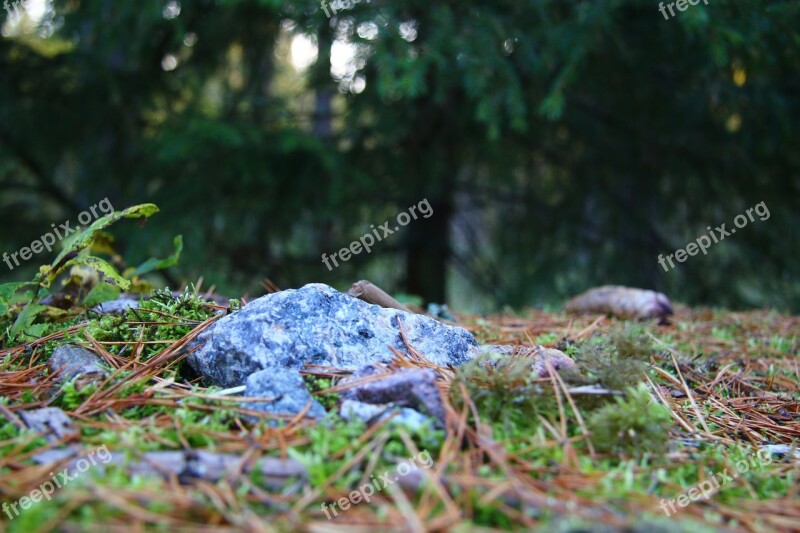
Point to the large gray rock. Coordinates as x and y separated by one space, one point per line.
318 325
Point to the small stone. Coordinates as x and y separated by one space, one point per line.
52 422
120 305
369 413
73 362
288 389
440 311
406 387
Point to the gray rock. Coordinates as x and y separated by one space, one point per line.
351 409
779 450
287 387
51 422
369 413
440 311
406 387
120 305
318 325
70 361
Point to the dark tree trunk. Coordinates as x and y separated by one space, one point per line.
429 252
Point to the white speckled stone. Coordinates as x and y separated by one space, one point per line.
318 325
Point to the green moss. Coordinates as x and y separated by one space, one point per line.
518 411
316 384
504 392
335 437
70 398
162 317
632 425
546 338
615 361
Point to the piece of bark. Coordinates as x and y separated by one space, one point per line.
622 302
210 466
372 294
187 466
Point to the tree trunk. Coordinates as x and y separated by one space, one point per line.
429 252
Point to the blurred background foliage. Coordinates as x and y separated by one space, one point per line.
561 144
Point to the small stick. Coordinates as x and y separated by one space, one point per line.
372 294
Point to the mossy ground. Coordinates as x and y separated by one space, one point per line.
650 412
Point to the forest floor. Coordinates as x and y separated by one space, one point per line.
689 426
